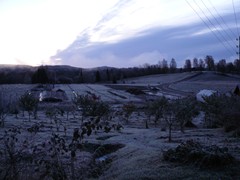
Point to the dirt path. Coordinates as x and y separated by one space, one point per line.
167 90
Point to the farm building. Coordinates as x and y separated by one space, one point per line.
53 96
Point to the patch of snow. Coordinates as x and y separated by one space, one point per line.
204 93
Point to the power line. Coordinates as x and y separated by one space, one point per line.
224 22
214 33
220 26
235 15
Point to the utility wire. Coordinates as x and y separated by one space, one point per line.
224 22
235 17
223 29
214 33
217 30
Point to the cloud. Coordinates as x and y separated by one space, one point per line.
112 60
113 31
181 43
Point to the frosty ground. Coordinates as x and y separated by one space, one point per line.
138 151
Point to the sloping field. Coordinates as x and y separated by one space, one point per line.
159 78
181 84
105 93
208 80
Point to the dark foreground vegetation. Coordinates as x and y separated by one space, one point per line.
68 74
46 146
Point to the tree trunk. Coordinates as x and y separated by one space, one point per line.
146 124
29 115
72 169
170 133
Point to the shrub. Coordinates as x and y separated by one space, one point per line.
97 111
155 108
222 111
185 109
10 154
135 91
169 117
4 109
28 102
192 152
128 109
91 106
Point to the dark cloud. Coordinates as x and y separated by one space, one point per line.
177 42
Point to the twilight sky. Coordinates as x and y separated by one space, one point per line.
120 33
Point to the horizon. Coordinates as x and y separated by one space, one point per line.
120 33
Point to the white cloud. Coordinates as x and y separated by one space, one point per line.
32 31
110 59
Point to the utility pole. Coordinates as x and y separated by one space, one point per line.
238 46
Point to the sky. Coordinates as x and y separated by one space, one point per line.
118 33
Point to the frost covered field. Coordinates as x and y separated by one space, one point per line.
58 142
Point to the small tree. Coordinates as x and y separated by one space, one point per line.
4 109
28 102
128 109
185 110
156 109
97 110
169 116
91 105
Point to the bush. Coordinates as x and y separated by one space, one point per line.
91 106
128 109
192 152
4 108
185 109
28 102
135 91
156 108
222 111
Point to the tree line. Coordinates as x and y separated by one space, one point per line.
68 74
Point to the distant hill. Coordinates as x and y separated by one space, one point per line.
57 73
10 74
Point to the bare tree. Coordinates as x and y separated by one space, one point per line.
188 65
221 66
28 102
210 63
195 63
173 65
